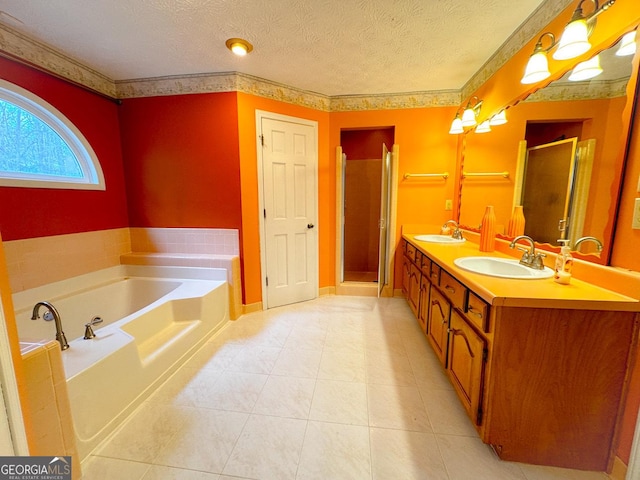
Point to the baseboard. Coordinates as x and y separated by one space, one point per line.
323 291
398 293
252 307
619 470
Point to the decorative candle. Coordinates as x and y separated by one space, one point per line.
488 230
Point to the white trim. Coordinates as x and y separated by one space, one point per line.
93 178
260 115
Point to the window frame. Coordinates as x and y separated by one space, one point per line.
92 176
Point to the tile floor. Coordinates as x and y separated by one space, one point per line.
335 388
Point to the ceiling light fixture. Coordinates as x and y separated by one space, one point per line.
471 111
499 118
574 40
627 45
239 46
586 70
484 127
537 68
456 125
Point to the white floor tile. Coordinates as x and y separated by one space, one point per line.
340 365
205 440
405 455
336 452
298 362
467 458
268 448
157 472
103 468
286 397
338 387
397 407
340 402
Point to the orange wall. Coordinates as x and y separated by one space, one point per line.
250 239
625 254
425 147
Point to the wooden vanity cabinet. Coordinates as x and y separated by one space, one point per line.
541 385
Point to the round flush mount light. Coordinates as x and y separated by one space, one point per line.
239 46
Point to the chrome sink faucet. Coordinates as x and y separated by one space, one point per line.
51 314
598 243
457 234
529 258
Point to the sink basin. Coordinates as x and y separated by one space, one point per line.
438 239
501 267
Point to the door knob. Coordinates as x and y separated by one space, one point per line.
310 225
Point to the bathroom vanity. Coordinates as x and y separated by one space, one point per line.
541 368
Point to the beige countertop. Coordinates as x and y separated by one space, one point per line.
540 293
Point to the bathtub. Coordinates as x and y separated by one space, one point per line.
153 319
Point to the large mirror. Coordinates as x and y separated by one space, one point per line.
511 164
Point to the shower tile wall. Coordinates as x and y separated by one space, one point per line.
37 261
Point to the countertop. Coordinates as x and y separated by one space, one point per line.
540 293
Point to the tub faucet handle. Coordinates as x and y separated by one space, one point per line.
88 331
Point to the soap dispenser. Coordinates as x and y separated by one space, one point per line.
564 263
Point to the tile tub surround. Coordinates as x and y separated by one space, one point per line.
191 247
220 416
48 400
33 262
218 241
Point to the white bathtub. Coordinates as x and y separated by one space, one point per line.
154 317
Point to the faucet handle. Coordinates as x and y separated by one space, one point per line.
537 262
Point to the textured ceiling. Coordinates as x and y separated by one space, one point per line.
332 47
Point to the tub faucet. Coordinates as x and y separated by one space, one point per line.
457 234
598 243
529 258
88 328
52 314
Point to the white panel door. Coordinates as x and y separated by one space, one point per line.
383 223
289 166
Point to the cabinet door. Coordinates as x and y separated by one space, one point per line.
466 364
439 311
406 274
423 311
414 289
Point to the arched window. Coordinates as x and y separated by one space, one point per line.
40 147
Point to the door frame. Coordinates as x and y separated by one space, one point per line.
354 288
260 115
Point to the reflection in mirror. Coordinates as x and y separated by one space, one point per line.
591 112
546 189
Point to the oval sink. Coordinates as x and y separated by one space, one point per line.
438 239
501 267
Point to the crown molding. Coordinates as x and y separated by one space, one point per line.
19 46
40 55
538 20
571 91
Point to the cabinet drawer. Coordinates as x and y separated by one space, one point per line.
426 266
478 312
454 290
411 252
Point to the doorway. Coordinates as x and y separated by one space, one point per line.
364 211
